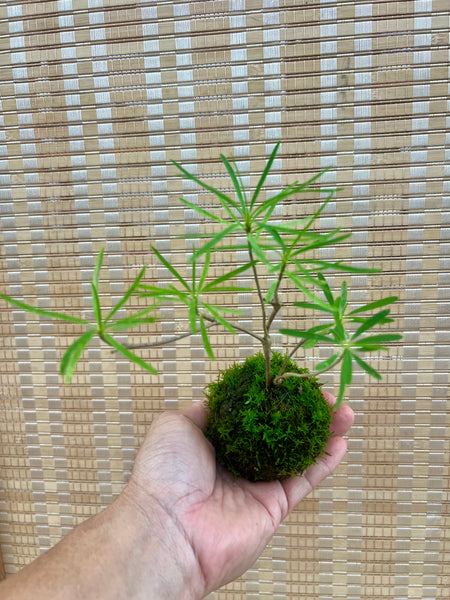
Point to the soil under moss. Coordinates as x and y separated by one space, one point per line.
265 434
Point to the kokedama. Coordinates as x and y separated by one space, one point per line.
267 417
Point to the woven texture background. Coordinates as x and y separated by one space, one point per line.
97 96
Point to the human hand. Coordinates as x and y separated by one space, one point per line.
225 522
181 528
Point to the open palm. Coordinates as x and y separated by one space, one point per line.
227 521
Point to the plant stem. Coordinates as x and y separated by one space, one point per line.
241 329
288 358
279 378
276 304
265 341
258 288
175 338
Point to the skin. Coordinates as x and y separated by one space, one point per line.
181 528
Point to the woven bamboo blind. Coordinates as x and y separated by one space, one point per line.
97 96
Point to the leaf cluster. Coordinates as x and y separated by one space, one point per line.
194 294
252 218
102 327
338 332
282 250
293 244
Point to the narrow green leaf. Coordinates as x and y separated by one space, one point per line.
44 313
226 324
276 236
227 276
230 311
268 206
327 363
98 266
370 322
339 266
128 354
363 319
345 378
204 185
166 294
369 347
376 304
362 363
339 333
236 184
214 240
171 268
204 272
225 201
228 288
294 188
340 396
327 328
271 291
96 305
205 339
346 370
263 177
155 291
202 212
241 183
318 212
284 228
73 353
343 299
193 315
297 281
375 339
228 247
307 335
257 250
127 295
325 241
313 237
326 289
193 275
142 312
124 324
314 306
303 276
319 240
152 288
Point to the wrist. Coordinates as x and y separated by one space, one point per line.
123 553
160 562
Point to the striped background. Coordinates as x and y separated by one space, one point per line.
96 98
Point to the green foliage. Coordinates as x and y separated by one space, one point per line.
277 252
193 293
101 327
265 434
337 332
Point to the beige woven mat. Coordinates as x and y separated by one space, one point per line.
97 96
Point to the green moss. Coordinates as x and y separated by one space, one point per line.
266 434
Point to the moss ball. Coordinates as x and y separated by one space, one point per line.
265 434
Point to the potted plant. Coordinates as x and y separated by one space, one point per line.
267 417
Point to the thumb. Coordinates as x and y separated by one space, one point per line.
197 413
